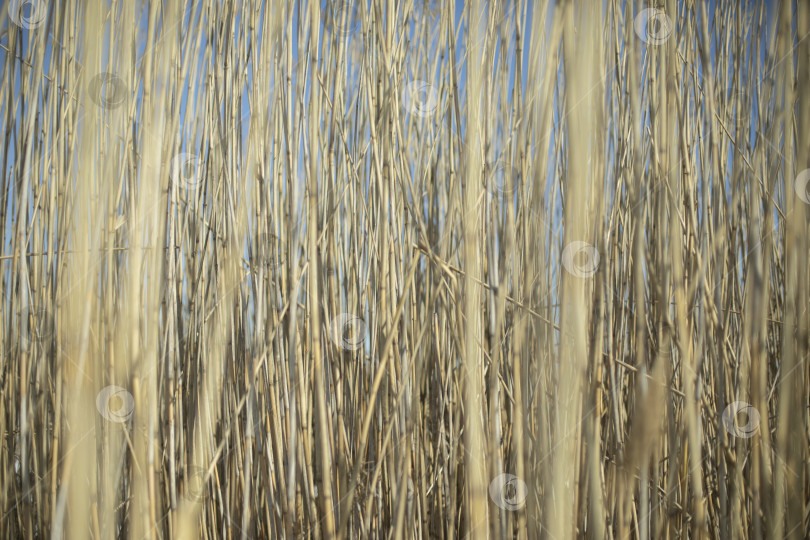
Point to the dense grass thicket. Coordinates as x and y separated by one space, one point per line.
404 269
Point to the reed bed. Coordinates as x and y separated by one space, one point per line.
416 269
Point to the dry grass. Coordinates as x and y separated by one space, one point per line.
333 269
